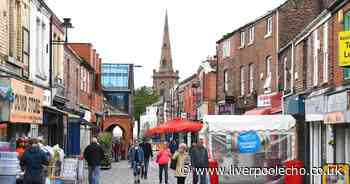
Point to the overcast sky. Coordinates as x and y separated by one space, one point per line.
130 31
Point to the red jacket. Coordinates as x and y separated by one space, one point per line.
163 157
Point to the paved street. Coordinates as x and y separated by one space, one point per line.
122 174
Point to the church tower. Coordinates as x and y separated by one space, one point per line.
165 78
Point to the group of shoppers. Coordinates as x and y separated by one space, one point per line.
185 161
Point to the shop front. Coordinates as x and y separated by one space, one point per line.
337 121
315 132
21 108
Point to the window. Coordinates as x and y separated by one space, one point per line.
37 46
242 81
346 71
115 76
25 46
315 57
325 52
251 78
285 69
269 26
226 48
268 80
226 81
43 48
268 66
242 38
251 35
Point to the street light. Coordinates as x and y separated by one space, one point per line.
138 122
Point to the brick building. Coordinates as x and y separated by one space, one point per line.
206 88
248 57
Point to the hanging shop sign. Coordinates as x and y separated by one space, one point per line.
27 104
344 49
336 173
248 142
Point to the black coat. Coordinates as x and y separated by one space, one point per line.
93 154
147 149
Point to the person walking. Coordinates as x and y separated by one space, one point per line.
163 158
173 147
200 160
94 154
182 163
137 160
116 151
34 160
148 153
194 175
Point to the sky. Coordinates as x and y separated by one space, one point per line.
131 31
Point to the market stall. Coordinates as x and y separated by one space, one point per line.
249 141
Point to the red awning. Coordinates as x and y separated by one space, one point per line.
174 126
3 126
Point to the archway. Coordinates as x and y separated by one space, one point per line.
124 122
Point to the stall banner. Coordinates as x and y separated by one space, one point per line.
344 49
335 173
248 142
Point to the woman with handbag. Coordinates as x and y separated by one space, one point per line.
182 160
163 158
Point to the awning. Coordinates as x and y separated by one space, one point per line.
55 110
239 123
263 111
174 126
3 125
314 117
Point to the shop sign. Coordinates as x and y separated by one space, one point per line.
248 142
264 101
344 49
315 105
334 118
27 106
335 173
337 102
225 108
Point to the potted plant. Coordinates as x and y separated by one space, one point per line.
105 140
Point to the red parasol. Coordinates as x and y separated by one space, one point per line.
174 126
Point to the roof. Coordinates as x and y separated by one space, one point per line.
188 79
228 35
240 123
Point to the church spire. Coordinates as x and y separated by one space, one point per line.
166 63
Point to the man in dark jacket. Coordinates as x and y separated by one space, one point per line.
200 160
33 161
94 154
147 151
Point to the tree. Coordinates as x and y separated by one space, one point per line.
143 97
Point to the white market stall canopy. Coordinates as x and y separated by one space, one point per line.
241 123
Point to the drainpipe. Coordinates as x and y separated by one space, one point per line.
51 59
216 75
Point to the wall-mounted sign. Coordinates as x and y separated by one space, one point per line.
264 101
334 118
344 49
335 173
27 105
248 142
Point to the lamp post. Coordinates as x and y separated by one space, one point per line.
138 122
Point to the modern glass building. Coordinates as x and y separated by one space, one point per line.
115 76
118 85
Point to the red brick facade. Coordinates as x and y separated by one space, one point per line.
286 24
